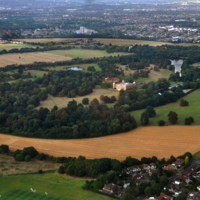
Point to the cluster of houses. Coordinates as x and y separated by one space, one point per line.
140 173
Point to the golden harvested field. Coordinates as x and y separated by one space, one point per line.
142 142
9 59
63 101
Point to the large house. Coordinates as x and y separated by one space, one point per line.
123 85
164 196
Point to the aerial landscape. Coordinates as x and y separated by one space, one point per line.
99 100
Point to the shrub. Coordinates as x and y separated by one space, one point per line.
173 117
19 157
40 171
4 148
151 111
189 120
61 170
184 103
27 158
106 85
161 123
85 101
42 156
144 118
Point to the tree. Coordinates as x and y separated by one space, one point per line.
100 181
151 111
27 158
4 148
148 192
186 160
181 196
189 120
19 157
144 118
164 180
126 196
184 103
110 176
161 123
85 101
173 117
20 70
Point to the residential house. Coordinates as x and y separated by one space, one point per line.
164 196
145 167
170 167
179 162
198 188
124 86
193 196
152 166
112 189
126 184
152 171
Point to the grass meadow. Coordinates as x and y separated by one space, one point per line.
15 46
183 112
57 187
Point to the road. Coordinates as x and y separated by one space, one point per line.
191 165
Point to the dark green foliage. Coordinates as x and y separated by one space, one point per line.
131 161
161 123
151 111
40 171
189 120
184 103
106 85
27 158
173 117
20 71
4 148
144 118
100 181
126 196
181 196
85 101
42 156
61 170
91 68
19 157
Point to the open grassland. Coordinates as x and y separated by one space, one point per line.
138 143
84 53
56 186
192 110
9 166
26 58
15 46
63 101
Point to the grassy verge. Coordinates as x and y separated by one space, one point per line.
192 110
56 186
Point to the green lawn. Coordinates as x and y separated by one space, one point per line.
183 112
15 46
84 53
196 155
58 188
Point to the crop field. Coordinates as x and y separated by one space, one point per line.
183 112
26 58
47 187
63 101
9 166
138 143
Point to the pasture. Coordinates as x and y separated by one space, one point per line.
183 112
15 46
138 143
9 166
57 187
63 101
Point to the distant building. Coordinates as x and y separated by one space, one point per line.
111 80
84 30
123 85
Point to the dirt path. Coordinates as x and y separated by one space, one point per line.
142 142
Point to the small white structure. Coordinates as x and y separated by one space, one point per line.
46 193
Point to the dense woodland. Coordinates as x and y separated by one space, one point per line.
19 100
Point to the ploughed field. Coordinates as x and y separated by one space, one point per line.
142 142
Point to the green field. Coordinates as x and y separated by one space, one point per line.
183 112
84 53
14 46
196 155
57 187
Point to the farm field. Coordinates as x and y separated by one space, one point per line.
9 166
138 143
63 101
18 188
15 46
26 58
183 112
